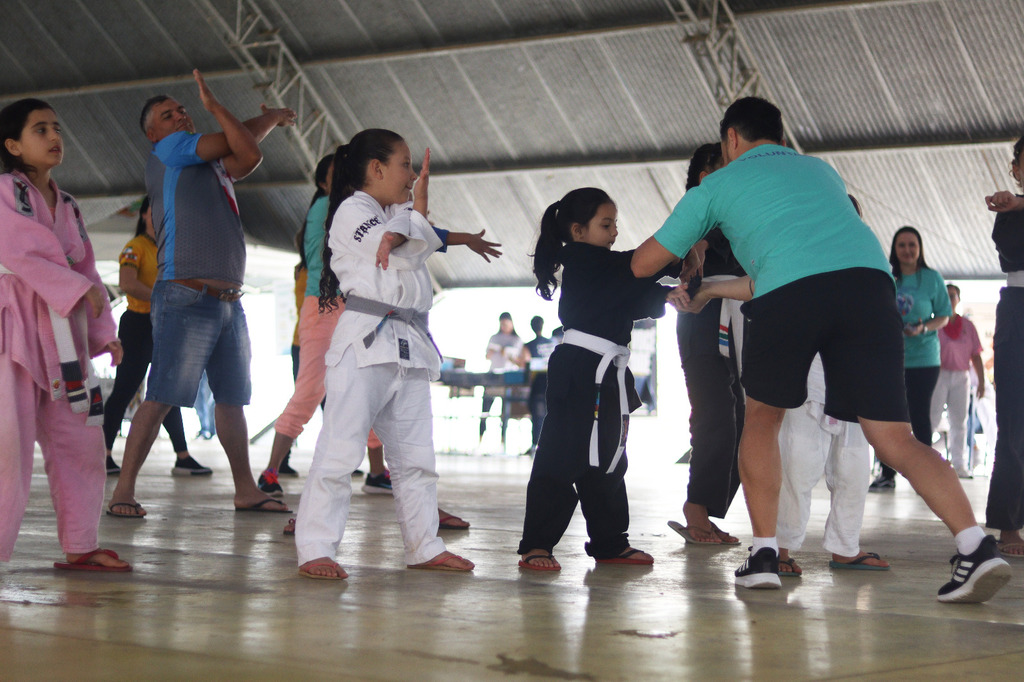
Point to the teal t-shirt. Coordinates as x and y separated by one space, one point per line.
313 243
786 215
920 297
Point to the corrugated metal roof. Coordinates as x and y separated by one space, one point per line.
521 101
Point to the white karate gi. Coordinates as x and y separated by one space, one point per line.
384 385
813 443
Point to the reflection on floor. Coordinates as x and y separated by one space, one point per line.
215 594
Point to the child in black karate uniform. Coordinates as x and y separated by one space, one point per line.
580 456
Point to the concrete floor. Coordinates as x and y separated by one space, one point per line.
215 595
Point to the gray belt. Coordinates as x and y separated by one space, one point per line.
410 316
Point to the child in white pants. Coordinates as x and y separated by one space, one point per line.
381 357
812 443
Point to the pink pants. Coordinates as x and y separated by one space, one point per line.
73 455
315 332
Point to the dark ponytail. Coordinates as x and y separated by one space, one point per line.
578 206
350 162
707 158
140 226
319 178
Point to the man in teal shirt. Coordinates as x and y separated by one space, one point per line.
822 286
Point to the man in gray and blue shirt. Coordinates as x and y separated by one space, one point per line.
198 321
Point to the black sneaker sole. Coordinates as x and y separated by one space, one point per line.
987 579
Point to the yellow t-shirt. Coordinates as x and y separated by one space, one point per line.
140 253
300 294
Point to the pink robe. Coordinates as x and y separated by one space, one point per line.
53 266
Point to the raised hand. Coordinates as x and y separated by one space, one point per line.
419 190
283 117
205 94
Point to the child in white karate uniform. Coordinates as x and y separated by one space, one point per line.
381 357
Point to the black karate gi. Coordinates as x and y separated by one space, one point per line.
713 387
601 297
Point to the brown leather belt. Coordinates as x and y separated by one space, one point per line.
228 295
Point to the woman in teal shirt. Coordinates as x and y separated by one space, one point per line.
924 304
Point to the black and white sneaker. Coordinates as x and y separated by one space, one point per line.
760 571
189 467
977 576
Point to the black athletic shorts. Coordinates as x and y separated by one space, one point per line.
850 317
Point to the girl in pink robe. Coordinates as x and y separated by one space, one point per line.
47 264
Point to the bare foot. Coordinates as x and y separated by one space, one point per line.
787 564
699 526
723 537
450 521
323 568
868 560
125 508
541 560
1011 543
446 561
100 558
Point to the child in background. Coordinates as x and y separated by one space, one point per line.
47 334
581 453
381 357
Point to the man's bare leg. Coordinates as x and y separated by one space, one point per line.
761 465
233 433
928 472
141 436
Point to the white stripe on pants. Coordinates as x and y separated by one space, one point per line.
808 451
953 390
396 404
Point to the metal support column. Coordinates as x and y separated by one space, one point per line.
257 46
725 58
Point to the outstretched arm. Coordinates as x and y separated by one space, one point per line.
740 289
238 145
476 243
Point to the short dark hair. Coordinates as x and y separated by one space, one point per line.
955 288
537 324
150 103
753 119
707 158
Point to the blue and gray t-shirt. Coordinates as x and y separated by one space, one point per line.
195 214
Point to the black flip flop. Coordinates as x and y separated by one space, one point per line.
258 507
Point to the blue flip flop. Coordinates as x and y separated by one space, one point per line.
792 572
858 564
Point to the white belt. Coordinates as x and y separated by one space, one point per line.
610 352
731 316
1015 279
83 393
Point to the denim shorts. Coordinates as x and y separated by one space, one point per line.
192 332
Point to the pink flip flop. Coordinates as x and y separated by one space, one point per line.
83 563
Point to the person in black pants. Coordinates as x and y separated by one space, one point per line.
923 302
539 347
1005 510
712 385
138 272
